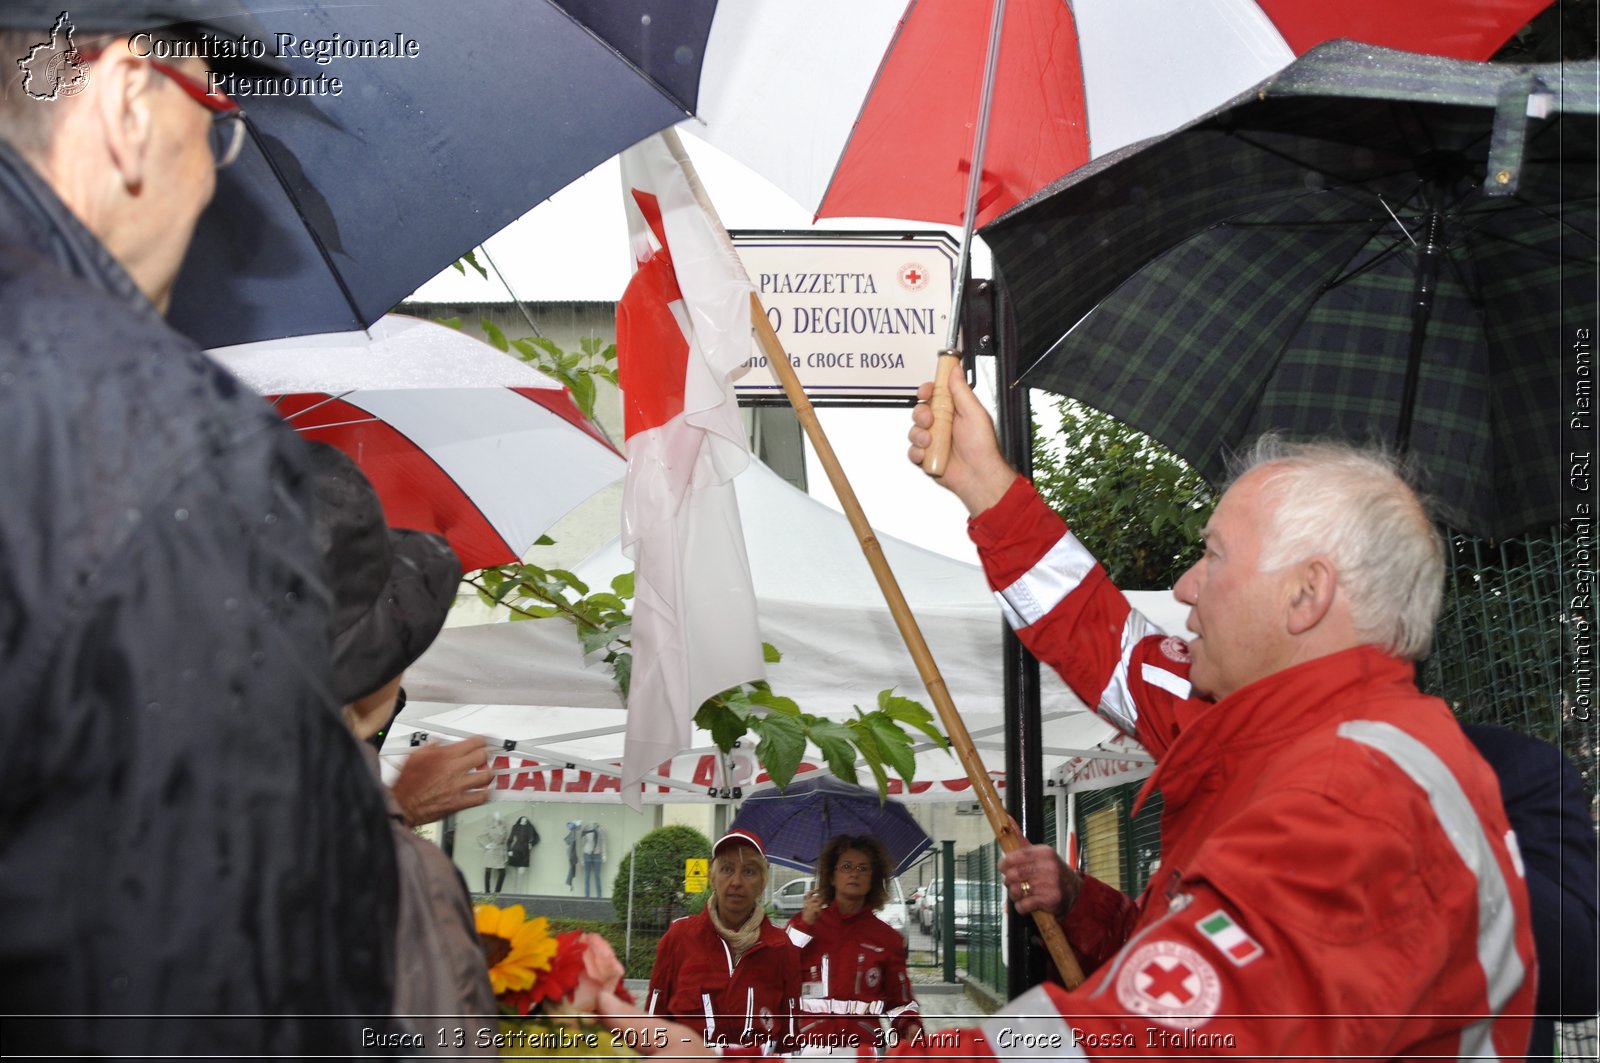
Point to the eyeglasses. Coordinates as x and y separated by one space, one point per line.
848 868
227 119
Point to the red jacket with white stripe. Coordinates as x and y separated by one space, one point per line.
859 964
1337 879
695 982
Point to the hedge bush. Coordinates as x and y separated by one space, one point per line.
658 895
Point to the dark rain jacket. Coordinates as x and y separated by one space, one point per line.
186 827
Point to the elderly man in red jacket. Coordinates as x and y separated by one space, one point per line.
1338 879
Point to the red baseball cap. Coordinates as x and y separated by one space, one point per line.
739 837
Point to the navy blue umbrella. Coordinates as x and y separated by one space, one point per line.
795 824
449 122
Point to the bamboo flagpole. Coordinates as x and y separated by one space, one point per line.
955 728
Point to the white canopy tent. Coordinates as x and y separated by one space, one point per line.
527 685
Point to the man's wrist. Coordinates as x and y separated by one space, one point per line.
988 488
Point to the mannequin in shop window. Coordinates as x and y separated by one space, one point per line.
573 827
593 847
494 839
519 851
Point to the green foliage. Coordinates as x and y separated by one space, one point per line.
469 259
780 728
658 894
595 360
579 371
615 932
1136 506
782 732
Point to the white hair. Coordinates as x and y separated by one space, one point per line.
1354 506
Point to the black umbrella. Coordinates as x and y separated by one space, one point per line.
449 122
1372 245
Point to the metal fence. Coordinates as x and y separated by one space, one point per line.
1500 652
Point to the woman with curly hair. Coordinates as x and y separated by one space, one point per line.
853 962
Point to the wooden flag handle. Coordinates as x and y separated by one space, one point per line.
938 452
960 740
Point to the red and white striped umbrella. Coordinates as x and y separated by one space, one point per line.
458 438
867 108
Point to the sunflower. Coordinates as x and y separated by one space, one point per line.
515 946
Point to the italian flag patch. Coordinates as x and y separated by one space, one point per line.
1233 942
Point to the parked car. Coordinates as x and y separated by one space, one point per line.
968 906
790 897
925 905
893 911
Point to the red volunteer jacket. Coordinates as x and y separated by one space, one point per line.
858 964
695 982
1337 880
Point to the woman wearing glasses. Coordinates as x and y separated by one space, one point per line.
854 963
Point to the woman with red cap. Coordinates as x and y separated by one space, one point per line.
728 972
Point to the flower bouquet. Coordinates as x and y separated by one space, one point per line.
545 983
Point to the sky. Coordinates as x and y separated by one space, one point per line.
574 246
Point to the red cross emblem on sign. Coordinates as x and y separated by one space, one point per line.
1168 981
913 277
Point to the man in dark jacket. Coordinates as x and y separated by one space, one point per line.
186 828
1544 799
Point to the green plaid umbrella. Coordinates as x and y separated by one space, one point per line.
1372 245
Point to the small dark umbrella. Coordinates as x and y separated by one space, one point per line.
795 824
1373 245
447 123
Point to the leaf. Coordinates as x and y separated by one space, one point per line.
582 388
782 744
609 602
544 540
622 671
623 585
593 639
770 654
471 259
449 322
867 742
775 702
833 739
570 579
894 745
496 337
913 713
841 758
727 726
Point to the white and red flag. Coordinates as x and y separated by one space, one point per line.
683 326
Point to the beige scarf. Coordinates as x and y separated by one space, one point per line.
741 939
